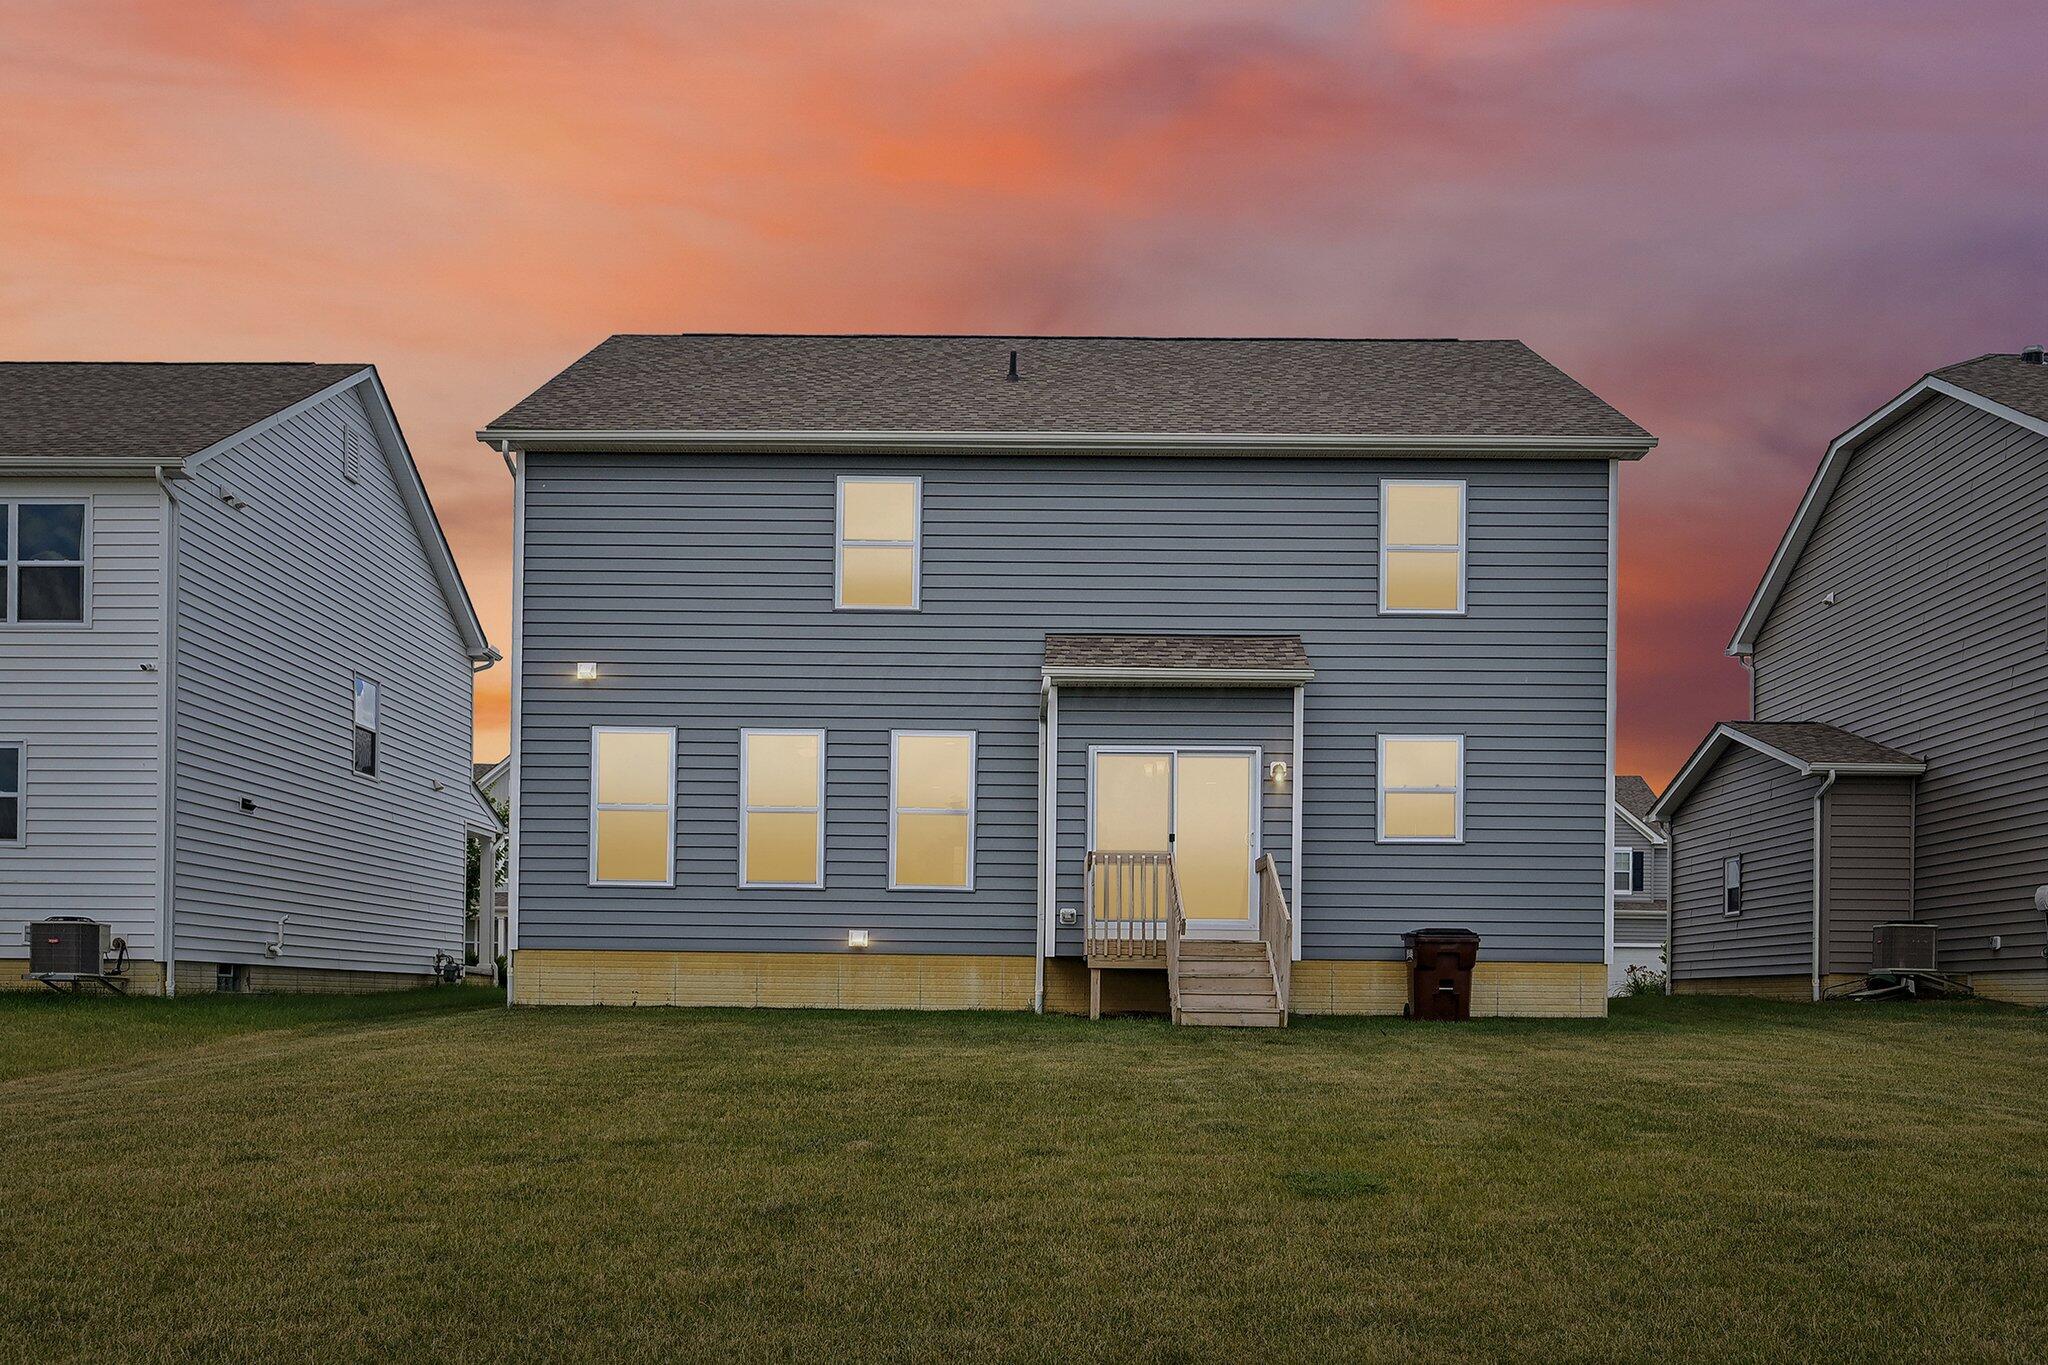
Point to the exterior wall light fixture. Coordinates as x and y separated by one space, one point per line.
586 673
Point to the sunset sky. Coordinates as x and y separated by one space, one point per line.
1744 222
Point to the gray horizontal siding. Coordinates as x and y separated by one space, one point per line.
702 585
280 605
1192 717
1867 865
1935 544
91 716
1760 810
1656 862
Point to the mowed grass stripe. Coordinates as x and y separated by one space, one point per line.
1690 1178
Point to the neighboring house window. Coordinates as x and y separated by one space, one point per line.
1731 886
1422 546
1422 788
367 694
632 806
782 808
877 538
13 771
931 811
43 554
1628 871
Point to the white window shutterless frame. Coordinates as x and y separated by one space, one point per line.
1421 789
46 562
878 543
1422 547
632 806
932 795
13 793
782 808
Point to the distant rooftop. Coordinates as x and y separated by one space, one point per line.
91 411
1208 386
2019 384
1635 795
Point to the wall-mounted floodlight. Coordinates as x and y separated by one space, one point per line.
856 938
586 673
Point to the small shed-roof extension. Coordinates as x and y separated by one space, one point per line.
1807 746
1224 659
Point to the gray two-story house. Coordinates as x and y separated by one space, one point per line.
1898 656
235 675
1042 672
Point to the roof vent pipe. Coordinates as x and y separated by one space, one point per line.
1013 365
2030 356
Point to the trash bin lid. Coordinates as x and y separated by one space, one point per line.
1441 933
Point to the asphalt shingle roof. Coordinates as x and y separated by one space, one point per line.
1259 653
2003 379
1635 796
1115 385
1810 742
92 410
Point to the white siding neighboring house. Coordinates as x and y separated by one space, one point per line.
1642 885
206 567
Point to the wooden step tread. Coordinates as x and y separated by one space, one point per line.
1226 969
1231 1018
1220 950
1229 1000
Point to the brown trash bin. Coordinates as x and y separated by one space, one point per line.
1440 972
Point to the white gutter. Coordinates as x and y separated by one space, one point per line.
1819 799
1168 442
167 727
1167 677
1038 931
89 469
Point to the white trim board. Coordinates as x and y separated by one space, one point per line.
614 440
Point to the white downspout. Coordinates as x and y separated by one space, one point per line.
1038 930
1819 798
167 727
511 944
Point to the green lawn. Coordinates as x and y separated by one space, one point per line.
430 1176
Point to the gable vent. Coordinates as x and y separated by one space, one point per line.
351 455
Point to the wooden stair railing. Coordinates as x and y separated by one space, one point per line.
1276 927
1134 917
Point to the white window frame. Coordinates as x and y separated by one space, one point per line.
674 745
973 803
1635 882
376 731
11 563
1388 546
1380 787
915 544
1731 880
20 792
747 808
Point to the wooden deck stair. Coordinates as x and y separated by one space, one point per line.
1226 983
1136 921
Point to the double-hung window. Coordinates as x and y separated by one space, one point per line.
43 557
13 782
931 811
368 699
1628 871
1731 886
632 806
1422 547
878 544
1422 789
782 808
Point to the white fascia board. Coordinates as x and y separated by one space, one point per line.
1172 677
1163 443
412 490
1832 464
1652 835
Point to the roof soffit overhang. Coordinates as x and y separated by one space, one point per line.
1088 442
